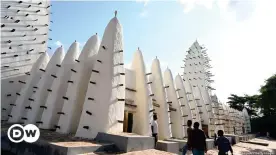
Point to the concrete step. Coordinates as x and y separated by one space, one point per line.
127 142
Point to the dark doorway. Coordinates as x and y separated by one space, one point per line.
205 129
128 122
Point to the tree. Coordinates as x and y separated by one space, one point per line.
236 102
246 101
251 104
267 99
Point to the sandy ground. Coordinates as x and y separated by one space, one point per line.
239 149
252 149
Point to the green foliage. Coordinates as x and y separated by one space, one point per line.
263 125
246 101
236 102
266 101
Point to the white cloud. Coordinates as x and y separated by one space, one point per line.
188 5
145 2
245 58
144 13
242 9
58 43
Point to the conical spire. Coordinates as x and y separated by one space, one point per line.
115 13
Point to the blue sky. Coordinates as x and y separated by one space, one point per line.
238 34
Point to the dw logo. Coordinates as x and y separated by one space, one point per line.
17 133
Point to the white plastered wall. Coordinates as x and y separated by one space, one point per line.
191 101
40 94
158 90
24 98
105 100
130 80
21 47
76 90
175 108
58 89
141 97
182 94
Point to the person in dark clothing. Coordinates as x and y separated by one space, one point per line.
198 140
189 132
154 128
223 144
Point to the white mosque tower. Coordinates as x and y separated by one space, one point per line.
77 88
103 109
196 73
41 92
19 107
57 91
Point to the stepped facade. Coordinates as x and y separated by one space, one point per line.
90 91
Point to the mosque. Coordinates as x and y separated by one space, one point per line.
90 91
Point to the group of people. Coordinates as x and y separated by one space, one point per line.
196 139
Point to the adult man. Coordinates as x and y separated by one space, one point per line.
198 140
154 128
189 132
223 144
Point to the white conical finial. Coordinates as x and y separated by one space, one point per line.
116 13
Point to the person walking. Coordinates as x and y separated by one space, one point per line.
154 129
223 144
198 141
188 144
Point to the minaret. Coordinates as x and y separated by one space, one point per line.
142 97
24 96
175 109
160 97
105 96
76 90
42 91
184 103
196 72
58 89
